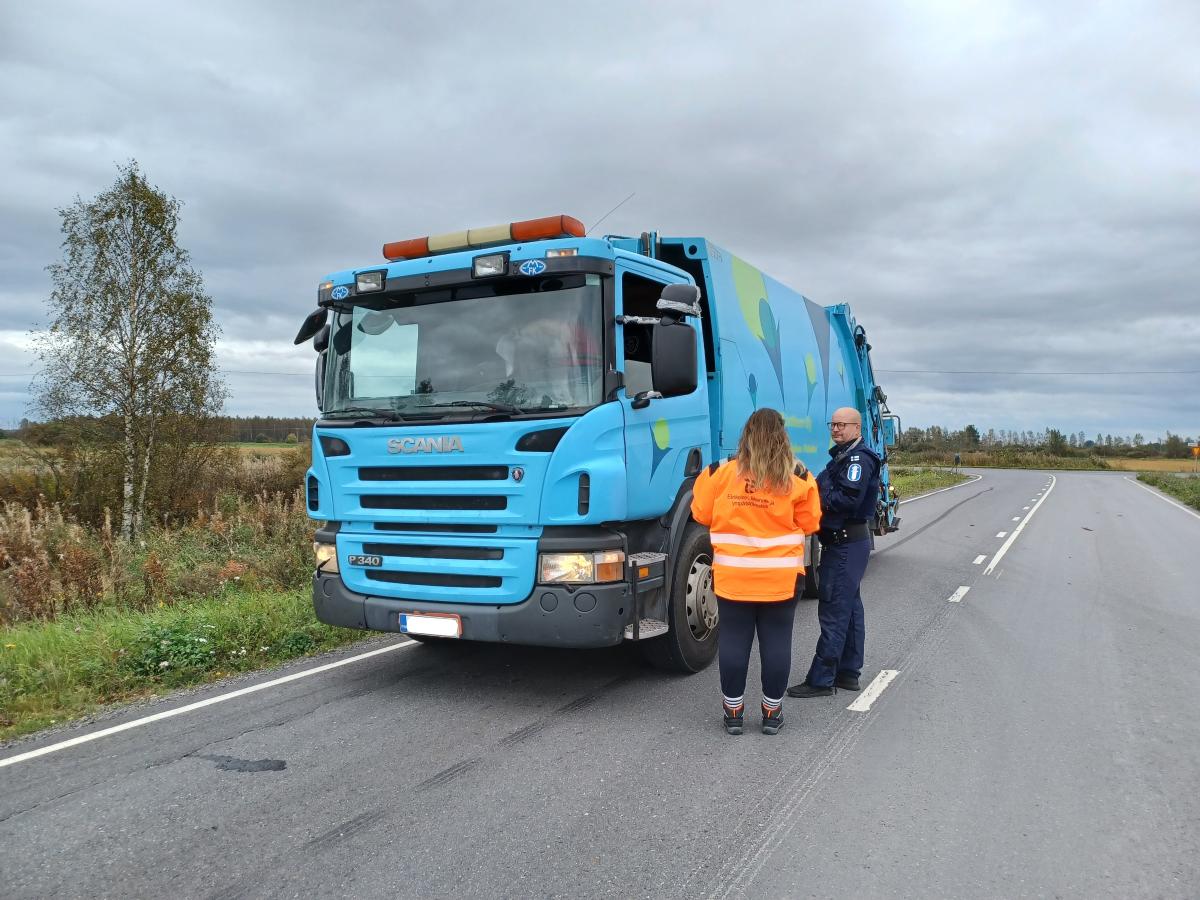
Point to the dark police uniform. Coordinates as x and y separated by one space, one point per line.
849 487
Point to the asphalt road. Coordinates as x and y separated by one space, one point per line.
1040 738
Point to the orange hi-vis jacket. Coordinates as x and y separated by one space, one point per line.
757 536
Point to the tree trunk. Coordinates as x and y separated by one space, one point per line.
139 513
127 485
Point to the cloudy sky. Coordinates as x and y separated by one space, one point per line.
998 189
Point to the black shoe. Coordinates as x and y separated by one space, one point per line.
847 683
772 721
734 720
804 689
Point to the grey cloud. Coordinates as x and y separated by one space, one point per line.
1006 187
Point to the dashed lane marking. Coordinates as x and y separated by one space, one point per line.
874 689
1017 532
1016 518
980 558
1001 534
958 595
199 704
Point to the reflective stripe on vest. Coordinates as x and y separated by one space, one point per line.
758 562
745 540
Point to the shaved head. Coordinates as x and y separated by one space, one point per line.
847 414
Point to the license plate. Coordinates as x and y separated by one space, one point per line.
358 560
433 624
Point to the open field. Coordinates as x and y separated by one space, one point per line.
909 481
1151 465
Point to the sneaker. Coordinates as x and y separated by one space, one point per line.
734 718
772 720
804 689
847 683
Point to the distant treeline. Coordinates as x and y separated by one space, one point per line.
1048 440
219 429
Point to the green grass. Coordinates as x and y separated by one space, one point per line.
1185 489
1001 458
54 671
911 482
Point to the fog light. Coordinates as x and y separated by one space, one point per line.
489 266
366 282
326 555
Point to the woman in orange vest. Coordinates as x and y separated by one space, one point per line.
758 506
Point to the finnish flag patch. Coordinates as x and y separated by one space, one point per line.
854 472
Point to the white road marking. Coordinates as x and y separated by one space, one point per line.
874 689
1025 507
980 558
1161 497
970 478
200 704
1017 533
958 595
1016 518
1001 534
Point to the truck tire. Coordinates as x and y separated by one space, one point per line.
690 643
812 559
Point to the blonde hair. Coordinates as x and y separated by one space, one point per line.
764 454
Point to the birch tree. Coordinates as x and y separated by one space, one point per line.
131 334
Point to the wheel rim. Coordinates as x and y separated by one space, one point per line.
700 600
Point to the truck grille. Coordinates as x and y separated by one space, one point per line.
427 528
433 473
438 579
432 501
413 551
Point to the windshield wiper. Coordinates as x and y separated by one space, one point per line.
482 404
390 415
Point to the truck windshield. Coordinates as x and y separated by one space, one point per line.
527 345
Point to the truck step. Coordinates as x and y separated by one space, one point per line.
649 628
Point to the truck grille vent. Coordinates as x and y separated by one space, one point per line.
433 473
424 528
378 501
314 498
412 551
435 578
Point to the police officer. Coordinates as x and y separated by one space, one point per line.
849 488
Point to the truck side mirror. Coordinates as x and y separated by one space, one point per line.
321 339
311 326
319 379
673 359
891 429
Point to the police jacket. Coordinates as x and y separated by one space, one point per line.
849 485
757 536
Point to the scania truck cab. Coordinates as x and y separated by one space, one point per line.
512 419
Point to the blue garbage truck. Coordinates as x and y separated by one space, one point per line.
512 419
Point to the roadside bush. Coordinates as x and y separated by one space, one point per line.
51 566
1182 487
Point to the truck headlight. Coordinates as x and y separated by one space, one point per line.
326 555
581 568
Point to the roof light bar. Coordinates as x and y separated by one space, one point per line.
529 230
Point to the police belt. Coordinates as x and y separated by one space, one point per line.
847 534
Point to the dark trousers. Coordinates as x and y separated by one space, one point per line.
773 622
840 612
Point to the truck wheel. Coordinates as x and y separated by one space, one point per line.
812 559
690 644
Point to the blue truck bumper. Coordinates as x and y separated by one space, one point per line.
593 615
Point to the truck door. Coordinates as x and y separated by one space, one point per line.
668 439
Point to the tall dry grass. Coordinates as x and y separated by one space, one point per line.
248 530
